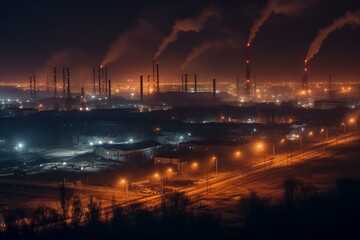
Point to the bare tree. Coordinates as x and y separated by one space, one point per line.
93 214
65 196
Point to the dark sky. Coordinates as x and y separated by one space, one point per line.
38 34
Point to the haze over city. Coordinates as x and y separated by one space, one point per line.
37 35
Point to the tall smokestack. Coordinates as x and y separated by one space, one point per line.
153 76
255 86
141 88
186 82
148 84
237 86
106 80
330 90
103 81
64 83
99 84
214 89
94 80
55 88
82 92
47 85
34 88
195 83
109 89
68 82
31 87
157 78
182 82
305 78
247 71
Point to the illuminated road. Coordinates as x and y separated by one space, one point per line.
264 171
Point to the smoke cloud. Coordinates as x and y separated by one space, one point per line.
279 7
187 25
350 18
206 46
126 41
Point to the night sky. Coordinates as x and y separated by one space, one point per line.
35 35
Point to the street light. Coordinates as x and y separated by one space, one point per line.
124 182
195 166
158 177
214 158
354 122
260 148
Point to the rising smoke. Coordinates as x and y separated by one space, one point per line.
125 42
350 18
187 25
279 7
205 46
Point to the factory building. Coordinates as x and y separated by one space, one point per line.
131 152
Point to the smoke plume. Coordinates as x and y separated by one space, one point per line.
276 6
126 41
205 46
350 18
186 25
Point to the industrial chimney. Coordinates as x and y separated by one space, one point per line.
237 86
31 88
68 82
330 90
157 78
94 80
247 71
55 90
186 82
182 82
109 92
106 80
82 92
141 88
63 83
214 89
195 83
305 79
100 80
34 91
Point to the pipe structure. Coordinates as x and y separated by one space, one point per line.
109 89
330 87
182 82
55 87
106 80
63 83
31 87
305 78
68 82
247 72
157 78
34 91
141 88
94 80
99 83
195 83
214 89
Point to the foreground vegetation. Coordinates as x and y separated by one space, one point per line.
303 214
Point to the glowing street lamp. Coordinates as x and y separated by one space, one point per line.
124 182
195 167
214 158
354 122
157 176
